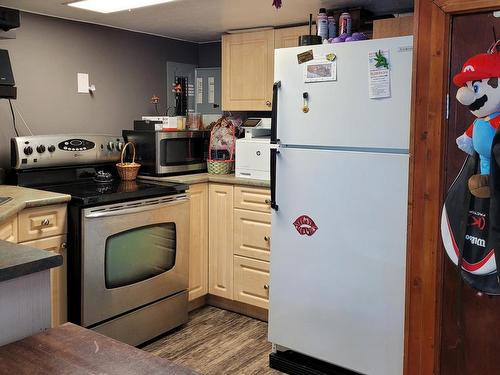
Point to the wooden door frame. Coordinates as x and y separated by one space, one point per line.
432 30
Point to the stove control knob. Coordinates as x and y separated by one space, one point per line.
40 149
111 146
119 146
51 148
28 150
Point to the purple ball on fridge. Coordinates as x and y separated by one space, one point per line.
338 40
350 39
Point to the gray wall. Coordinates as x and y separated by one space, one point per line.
126 68
210 55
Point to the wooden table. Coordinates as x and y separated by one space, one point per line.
71 349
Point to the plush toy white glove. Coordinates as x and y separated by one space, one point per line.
464 143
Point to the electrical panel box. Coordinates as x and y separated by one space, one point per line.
208 91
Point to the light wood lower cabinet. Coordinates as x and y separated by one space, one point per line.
220 277
252 234
58 277
8 230
251 281
252 198
198 241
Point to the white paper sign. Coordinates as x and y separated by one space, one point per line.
199 90
211 90
379 78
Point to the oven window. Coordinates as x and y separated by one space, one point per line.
139 254
175 151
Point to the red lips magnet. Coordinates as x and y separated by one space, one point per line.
305 225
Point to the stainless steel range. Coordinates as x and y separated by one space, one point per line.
127 241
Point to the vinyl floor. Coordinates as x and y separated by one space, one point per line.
216 342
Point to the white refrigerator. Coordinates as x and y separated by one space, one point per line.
339 186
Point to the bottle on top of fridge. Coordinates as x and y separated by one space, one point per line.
345 24
332 26
322 24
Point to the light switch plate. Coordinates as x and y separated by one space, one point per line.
83 83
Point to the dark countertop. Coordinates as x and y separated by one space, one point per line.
20 260
71 349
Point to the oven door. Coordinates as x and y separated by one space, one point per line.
181 151
133 253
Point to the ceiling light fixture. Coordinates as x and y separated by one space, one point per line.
110 6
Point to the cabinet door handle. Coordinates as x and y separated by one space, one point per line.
45 222
268 202
267 238
268 103
64 245
266 287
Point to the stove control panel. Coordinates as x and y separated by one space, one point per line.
42 151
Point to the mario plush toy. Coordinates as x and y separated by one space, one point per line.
479 89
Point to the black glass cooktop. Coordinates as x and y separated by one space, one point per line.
91 192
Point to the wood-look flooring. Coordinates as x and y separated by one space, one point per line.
216 342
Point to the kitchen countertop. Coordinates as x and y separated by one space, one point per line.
24 198
21 260
71 349
198 178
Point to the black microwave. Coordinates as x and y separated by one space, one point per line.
163 153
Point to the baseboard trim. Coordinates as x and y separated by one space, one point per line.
197 303
238 307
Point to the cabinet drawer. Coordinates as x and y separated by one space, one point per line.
250 198
41 222
252 234
8 230
251 281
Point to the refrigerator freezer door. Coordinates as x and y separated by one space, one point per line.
341 112
337 293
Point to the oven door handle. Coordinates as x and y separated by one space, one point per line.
129 208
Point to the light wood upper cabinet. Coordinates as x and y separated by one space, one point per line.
58 277
41 222
198 241
220 276
289 36
247 71
393 27
8 230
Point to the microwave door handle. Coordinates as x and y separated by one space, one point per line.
133 210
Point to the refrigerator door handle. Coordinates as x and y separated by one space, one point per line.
274 116
274 152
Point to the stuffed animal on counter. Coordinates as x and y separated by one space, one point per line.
480 91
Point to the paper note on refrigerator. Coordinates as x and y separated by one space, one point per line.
379 74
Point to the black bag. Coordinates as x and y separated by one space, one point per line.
470 227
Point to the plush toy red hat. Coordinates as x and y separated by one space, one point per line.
479 67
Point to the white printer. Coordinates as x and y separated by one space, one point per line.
253 151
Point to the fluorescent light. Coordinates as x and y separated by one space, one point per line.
110 6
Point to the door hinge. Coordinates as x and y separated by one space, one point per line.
447 109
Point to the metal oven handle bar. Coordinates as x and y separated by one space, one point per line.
137 206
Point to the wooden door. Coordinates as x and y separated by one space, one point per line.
477 352
247 71
58 277
289 36
220 248
198 241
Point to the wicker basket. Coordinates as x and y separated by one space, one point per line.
128 171
226 129
220 166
